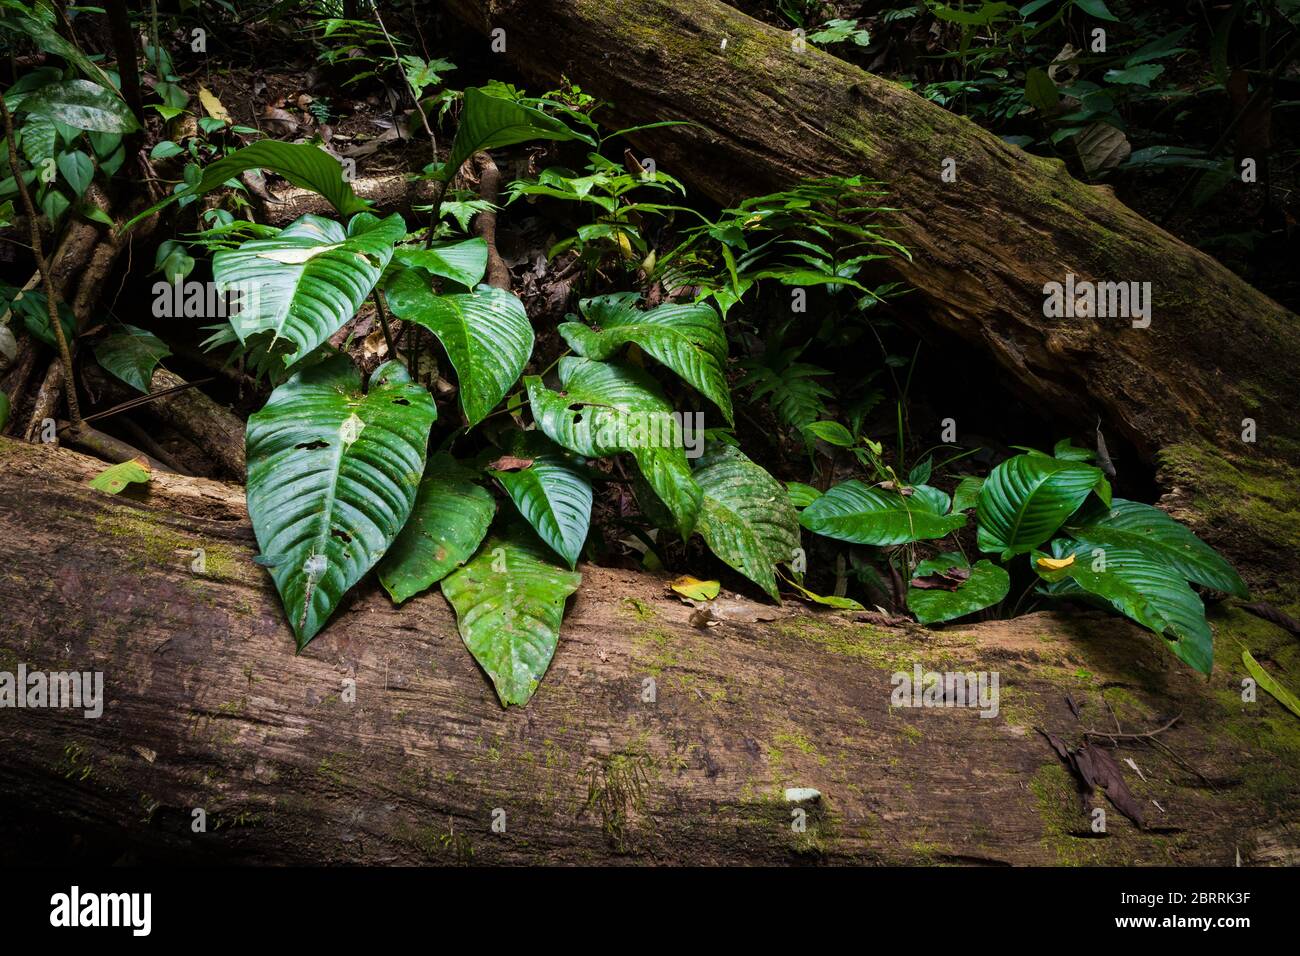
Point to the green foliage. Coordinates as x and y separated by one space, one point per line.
555 498
131 355
1027 498
855 512
946 587
491 121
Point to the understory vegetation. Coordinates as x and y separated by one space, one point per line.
548 351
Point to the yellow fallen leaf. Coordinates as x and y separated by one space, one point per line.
695 589
1055 564
212 106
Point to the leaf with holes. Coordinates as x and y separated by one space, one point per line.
488 122
603 408
555 498
855 512
332 477
745 515
1027 498
688 338
298 288
461 262
486 333
986 585
1139 586
131 355
447 524
509 603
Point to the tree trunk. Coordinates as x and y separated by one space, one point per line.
1217 351
383 742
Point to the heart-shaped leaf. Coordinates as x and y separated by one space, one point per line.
486 334
332 477
603 408
81 104
509 603
132 355
1026 499
447 524
745 515
985 585
688 338
555 499
298 288
488 122
853 511
1131 524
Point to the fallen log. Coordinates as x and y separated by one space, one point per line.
649 741
983 247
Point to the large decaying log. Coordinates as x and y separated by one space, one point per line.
383 742
1216 352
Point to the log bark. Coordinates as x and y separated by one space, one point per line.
208 707
982 248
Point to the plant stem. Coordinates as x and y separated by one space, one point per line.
383 323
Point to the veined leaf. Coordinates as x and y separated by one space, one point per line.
81 104
602 409
1027 498
39 138
1131 524
1270 684
332 477
447 524
556 500
114 479
1139 586
488 122
745 516
462 262
987 585
509 603
967 493
686 338
301 286
132 355
486 333
855 512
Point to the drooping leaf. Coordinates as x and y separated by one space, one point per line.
77 169
695 589
1027 498
1132 524
1139 586
462 262
488 122
986 585
131 355
853 511
447 524
555 498
745 515
81 104
300 287
332 477
688 338
603 408
826 600
1270 684
486 333
509 603
114 479
967 493
801 495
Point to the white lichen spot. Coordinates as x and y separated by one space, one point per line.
351 428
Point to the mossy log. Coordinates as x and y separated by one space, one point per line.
383 743
983 247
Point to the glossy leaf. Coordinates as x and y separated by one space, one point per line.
131 355
447 524
855 512
967 493
987 585
114 479
462 262
1027 498
555 498
509 603
81 104
488 122
332 477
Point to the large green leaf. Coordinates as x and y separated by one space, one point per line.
81 104
39 138
688 338
487 122
987 585
132 355
332 477
556 500
1131 524
302 164
745 517
447 524
509 602
486 334
462 262
307 281
603 408
1140 586
1027 498
853 511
